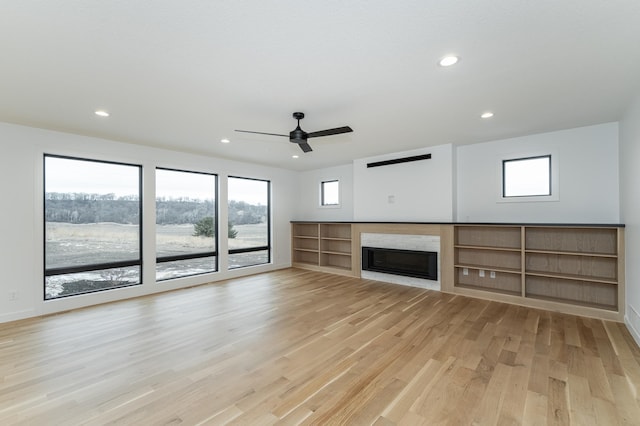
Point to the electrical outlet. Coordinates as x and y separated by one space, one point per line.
481 273
465 271
492 274
13 295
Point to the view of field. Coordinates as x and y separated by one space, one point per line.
69 244
179 239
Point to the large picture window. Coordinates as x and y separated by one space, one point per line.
249 222
186 223
92 226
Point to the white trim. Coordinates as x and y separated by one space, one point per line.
630 321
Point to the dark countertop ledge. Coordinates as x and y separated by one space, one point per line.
575 225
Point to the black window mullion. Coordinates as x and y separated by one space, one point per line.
248 249
90 268
177 257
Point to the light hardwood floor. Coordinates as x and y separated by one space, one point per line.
294 346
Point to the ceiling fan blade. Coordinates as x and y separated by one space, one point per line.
261 133
305 147
329 132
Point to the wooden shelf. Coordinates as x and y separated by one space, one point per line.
515 250
337 267
493 290
573 253
337 253
489 269
573 277
573 302
302 262
309 250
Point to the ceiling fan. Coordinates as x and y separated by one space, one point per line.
300 137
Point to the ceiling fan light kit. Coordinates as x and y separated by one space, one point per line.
300 137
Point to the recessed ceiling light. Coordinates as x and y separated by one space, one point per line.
449 60
487 114
102 113
295 156
225 140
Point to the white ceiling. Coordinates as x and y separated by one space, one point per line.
184 74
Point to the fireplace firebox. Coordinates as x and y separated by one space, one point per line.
409 263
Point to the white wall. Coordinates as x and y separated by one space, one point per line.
420 191
587 161
630 211
21 217
307 202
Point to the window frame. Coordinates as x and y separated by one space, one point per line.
322 192
93 266
553 179
257 248
214 253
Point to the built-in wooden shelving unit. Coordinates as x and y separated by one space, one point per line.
576 269
552 267
323 246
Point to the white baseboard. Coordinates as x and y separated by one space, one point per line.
632 321
18 315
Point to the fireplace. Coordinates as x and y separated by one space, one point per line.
408 263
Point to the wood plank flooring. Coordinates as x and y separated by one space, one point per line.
300 347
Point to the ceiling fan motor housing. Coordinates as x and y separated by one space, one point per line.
297 135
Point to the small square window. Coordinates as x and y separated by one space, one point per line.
330 193
526 177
